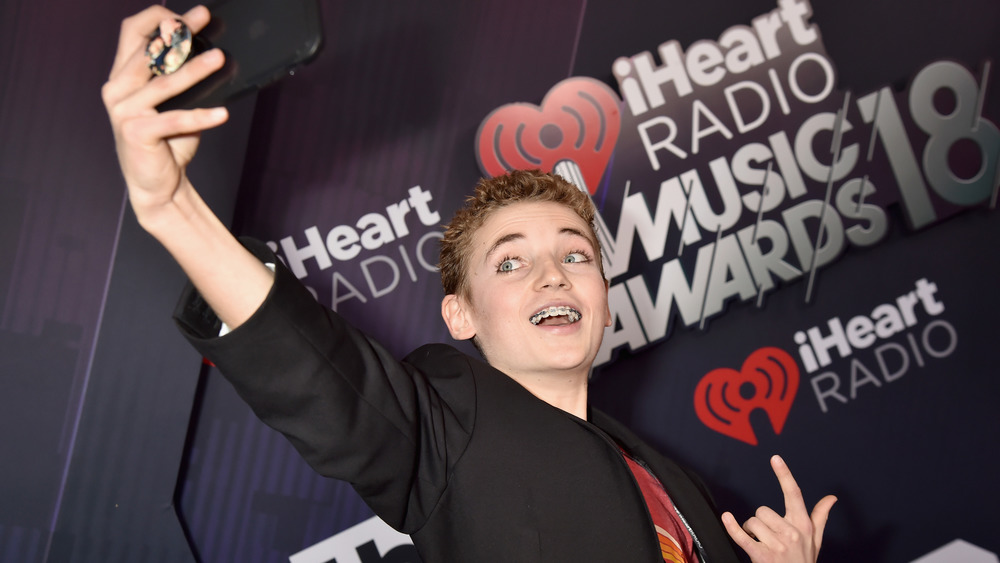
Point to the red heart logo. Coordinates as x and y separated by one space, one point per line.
579 121
725 397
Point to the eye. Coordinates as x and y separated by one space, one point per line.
577 256
509 265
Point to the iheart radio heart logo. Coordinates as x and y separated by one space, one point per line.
577 124
725 397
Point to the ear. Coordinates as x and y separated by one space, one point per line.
455 312
607 305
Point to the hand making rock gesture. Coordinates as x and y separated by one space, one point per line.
795 537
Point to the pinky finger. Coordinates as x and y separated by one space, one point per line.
739 535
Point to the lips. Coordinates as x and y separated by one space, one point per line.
561 315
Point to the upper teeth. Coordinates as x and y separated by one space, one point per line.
573 314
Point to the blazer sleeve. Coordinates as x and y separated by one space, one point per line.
351 410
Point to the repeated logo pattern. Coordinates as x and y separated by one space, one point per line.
578 121
725 397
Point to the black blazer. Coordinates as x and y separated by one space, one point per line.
441 445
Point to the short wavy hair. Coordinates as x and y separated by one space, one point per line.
496 193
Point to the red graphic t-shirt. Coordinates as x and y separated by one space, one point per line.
676 543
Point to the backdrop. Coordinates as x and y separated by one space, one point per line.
714 137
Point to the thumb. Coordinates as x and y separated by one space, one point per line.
819 516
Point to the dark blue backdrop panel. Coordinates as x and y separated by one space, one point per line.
98 386
394 103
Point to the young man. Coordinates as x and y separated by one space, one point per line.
494 461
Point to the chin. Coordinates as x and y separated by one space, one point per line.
571 362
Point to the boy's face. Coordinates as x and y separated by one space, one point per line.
537 300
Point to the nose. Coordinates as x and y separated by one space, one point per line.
552 276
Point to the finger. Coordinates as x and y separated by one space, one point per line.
197 18
762 532
795 506
771 518
162 88
739 535
135 29
149 131
819 516
785 533
133 74
123 102
130 69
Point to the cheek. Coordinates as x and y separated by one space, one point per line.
500 311
490 306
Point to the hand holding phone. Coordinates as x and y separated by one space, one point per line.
262 39
154 150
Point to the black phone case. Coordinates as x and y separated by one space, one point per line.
263 40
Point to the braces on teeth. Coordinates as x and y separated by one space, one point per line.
573 314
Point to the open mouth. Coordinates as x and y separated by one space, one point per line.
556 316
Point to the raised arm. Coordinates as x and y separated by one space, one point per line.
154 150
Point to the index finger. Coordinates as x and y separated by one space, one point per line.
135 30
794 504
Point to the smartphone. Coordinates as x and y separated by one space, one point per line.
263 40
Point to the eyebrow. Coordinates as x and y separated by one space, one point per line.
510 237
